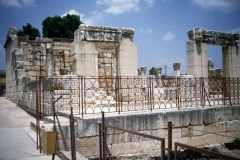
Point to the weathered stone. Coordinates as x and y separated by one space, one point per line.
213 37
198 64
142 71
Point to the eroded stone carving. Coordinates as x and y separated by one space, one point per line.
210 64
19 64
158 70
176 66
213 37
143 71
104 34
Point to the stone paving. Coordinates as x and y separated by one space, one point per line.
16 137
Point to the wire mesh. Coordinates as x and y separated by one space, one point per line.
126 144
87 140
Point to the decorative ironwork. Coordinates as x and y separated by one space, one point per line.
86 95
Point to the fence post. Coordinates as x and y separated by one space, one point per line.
37 114
117 94
100 141
175 152
178 94
72 131
163 149
103 137
169 140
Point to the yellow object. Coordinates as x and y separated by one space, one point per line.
49 142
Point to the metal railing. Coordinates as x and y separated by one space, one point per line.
95 139
88 95
198 153
99 140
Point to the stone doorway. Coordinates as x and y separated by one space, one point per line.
197 54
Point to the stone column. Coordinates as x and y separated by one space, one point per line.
86 58
143 71
176 68
49 62
158 72
231 61
197 59
127 58
210 64
10 46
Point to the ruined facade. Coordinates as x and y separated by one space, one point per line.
104 51
27 59
197 56
95 51
88 74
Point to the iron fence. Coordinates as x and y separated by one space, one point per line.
192 152
88 95
127 144
91 139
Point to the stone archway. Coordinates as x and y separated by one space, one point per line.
197 55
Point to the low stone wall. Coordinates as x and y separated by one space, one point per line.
196 127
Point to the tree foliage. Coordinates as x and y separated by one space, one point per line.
152 71
30 31
60 27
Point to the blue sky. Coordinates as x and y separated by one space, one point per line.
160 25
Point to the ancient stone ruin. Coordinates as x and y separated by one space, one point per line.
95 51
97 71
104 51
197 55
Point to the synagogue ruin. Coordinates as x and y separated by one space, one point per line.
95 51
197 56
98 71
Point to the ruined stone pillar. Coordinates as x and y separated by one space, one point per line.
143 71
176 68
86 59
11 46
49 63
231 61
127 57
158 74
158 71
197 59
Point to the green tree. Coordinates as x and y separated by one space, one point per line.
152 71
60 27
30 31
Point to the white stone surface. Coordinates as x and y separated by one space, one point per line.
231 62
197 59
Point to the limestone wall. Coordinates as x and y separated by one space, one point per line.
194 126
27 59
95 51
91 42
